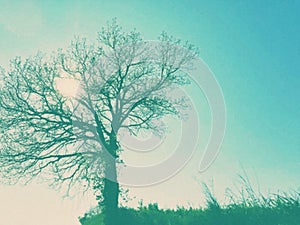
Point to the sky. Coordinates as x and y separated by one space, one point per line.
251 47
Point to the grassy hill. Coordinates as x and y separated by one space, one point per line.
247 209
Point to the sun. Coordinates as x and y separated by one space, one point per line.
68 87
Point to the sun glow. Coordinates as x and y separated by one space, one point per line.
68 87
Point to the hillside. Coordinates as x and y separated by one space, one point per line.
248 209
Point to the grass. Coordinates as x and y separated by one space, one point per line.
247 208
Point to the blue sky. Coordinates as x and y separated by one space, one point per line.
252 47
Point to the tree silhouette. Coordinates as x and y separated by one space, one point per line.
124 84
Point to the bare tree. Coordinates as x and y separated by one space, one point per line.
124 84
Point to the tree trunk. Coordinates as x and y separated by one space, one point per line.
111 188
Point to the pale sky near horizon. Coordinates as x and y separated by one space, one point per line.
252 48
